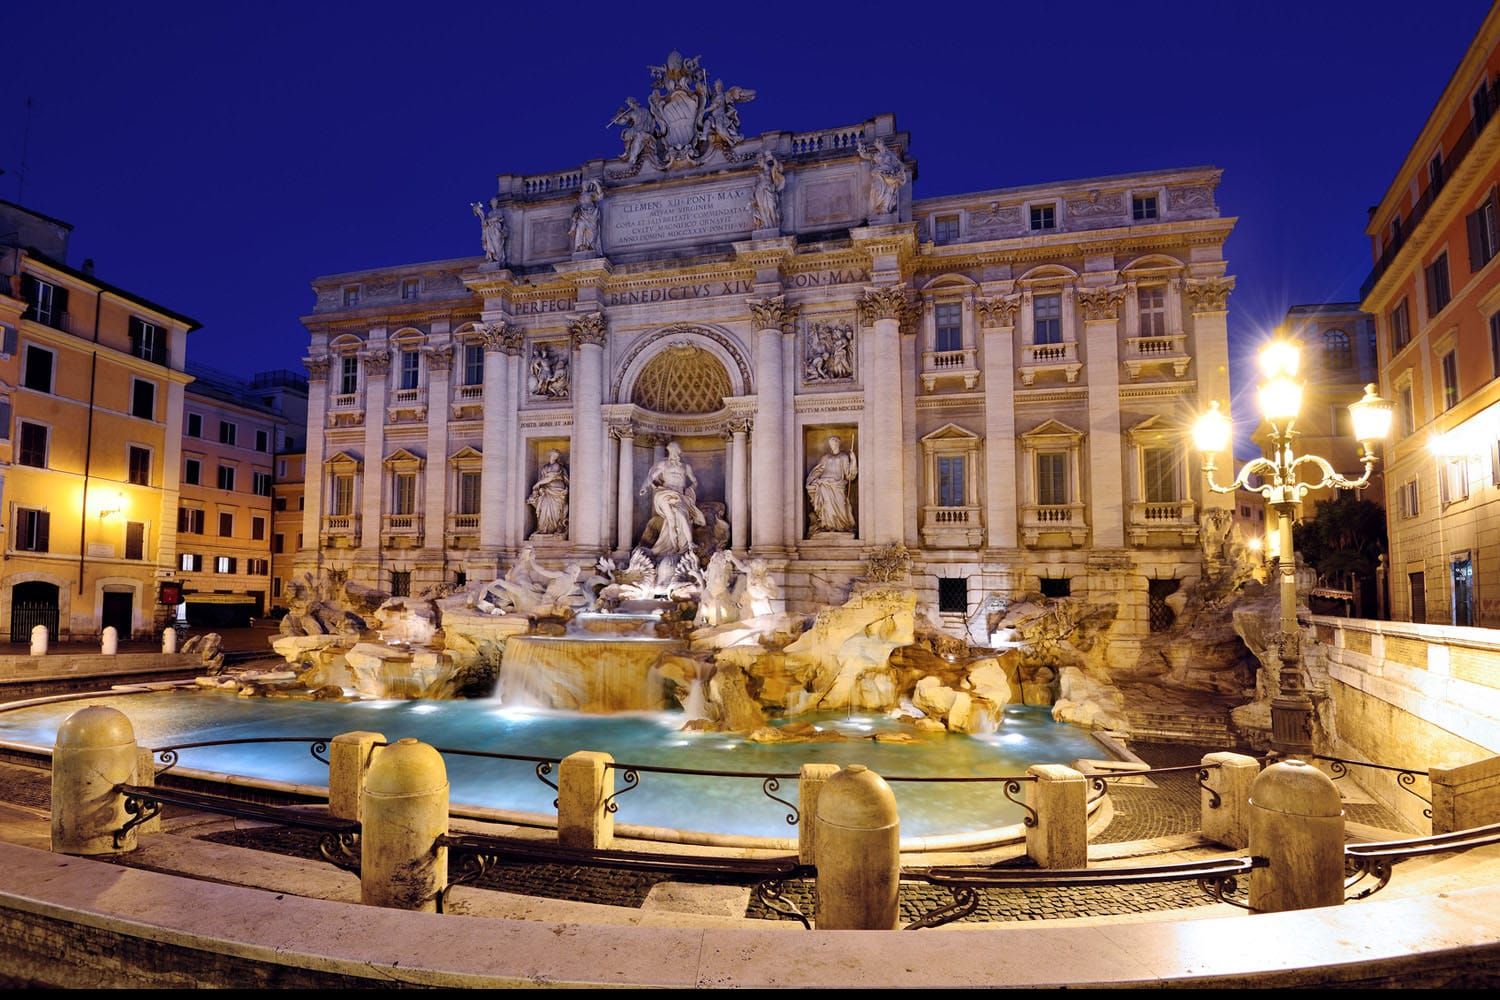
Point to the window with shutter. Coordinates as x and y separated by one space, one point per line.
32 530
38 369
32 447
5 419
143 399
1484 240
1052 478
135 540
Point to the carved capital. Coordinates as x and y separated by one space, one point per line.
1100 303
622 432
589 328
440 359
772 313
500 337
317 368
738 426
889 302
1208 294
376 362
999 311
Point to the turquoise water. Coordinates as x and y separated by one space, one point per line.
714 805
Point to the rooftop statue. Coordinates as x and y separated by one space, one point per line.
492 230
887 176
683 120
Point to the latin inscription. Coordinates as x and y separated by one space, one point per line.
542 306
673 293
670 218
816 279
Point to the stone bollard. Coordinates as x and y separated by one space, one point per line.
1060 837
809 784
145 776
39 640
1228 822
349 758
169 640
405 810
94 755
584 784
858 851
1297 824
109 642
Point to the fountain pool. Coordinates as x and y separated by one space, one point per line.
732 806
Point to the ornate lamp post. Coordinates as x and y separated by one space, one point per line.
1280 400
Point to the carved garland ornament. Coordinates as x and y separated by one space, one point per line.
440 359
1000 311
377 362
1208 294
1100 303
772 314
317 368
588 329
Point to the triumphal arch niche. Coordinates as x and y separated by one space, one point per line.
997 381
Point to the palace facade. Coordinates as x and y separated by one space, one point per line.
1012 371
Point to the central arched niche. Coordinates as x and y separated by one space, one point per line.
682 378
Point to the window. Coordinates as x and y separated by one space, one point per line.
1438 291
1143 207
135 540
192 472
468 493
257 567
276 587
1462 567
278 544
411 369
1152 300
460 578
262 440
224 564
5 413
1450 379
281 468
190 520
1435 175
1400 327
1245 512
348 375
473 364
32 529
1043 217
409 287
1396 230
1338 353
31 445
953 595
228 433
190 562
950 476
1163 475
258 529
351 296
1052 478
226 524
343 496
1342 422
1061 587
1483 106
1484 240
949 319
945 230
261 483
142 399
278 504
226 477
1495 345
1453 479
45 302
38 369
1047 319
1160 612
1408 411
400 583
139 463
404 494
148 341
1417 587
195 425
1407 499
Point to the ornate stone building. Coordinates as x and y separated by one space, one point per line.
1009 373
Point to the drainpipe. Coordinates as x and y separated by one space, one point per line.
88 446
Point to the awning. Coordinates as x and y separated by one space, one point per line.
219 599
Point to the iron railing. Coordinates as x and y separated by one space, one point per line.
1377 859
1406 777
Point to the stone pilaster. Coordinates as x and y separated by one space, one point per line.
435 489
377 368
1208 299
768 455
625 489
497 443
586 501
997 318
739 486
880 459
1101 309
312 471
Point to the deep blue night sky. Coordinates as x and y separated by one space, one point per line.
215 158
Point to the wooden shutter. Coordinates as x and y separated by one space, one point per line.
135 336
59 305
43 530
28 293
1472 223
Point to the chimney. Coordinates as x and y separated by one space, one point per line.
88 266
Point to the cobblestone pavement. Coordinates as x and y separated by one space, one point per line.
26 786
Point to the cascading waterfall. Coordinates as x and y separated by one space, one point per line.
597 675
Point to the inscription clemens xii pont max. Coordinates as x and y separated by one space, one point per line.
673 217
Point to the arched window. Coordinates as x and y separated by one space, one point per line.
1336 351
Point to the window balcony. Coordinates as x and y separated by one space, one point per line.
1039 358
401 531
952 527
1059 525
960 365
406 405
1170 522
463 531
468 402
340 531
346 410
1169 350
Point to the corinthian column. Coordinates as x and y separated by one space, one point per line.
881 473
625 489
497 444
586 502
768 456
739 487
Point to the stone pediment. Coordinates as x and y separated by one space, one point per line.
344 460
468 453
404 457
1052 429
951 432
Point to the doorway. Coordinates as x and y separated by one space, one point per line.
1463 589
33 603
118 610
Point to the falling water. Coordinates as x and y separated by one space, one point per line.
695 705
597 675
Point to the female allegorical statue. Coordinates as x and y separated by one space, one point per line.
549 497
828 489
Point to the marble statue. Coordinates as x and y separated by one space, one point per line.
585 225
829 353
529 588
765 211
640 130
683 120
756 590
720 118
493 232
549 373
716 603
674 499
549 497
888 175
828 490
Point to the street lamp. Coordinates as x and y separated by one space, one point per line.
1280 396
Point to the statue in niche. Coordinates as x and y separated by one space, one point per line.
585 225
674 499
888 175
549 373
828 489
765 211
829 354
492 230
549 497
639 130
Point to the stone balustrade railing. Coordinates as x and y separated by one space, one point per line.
1061 356
847 137
1164 350
567 180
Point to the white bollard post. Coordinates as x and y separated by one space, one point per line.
169 640
858 843
39 640
1060 836
109 642
1297 824
405 810
94 755
584 785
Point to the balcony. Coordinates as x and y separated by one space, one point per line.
468 402
462 531
340 531
407 405
346 410
1059 525
1166 351
1039 358
1169 522
952 527
401 531
960 365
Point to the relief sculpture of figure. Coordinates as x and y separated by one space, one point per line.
549 497
674 499
828 490
765 212
585 225
888 177
493 231
549 373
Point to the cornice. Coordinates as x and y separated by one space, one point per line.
1026 249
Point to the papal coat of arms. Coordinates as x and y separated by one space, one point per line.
684 118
